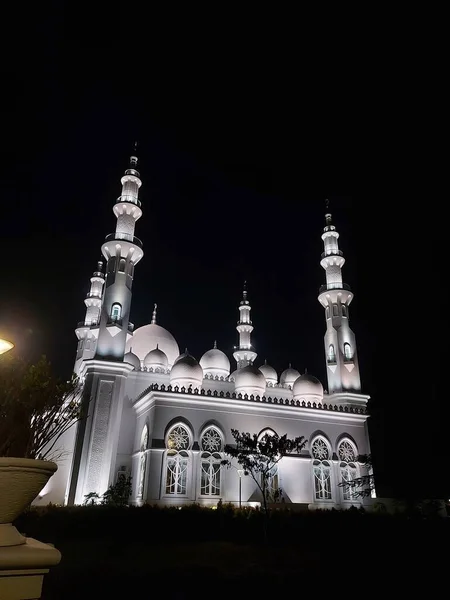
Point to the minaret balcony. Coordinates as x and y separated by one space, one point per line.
129 199
332 253
334 286
127 237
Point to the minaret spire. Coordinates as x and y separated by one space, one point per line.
122 251
155 306
244 354
336 296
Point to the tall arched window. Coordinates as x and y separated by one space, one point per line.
321 454
211 445
331 354
348 455
122 265
335 310
116 311
272 482
347 351
344 310
178 443
143 461
327 312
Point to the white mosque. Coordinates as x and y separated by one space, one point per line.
164 418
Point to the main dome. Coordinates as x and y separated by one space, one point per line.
186 371
249 380
309 386
215 362
147 337
289 376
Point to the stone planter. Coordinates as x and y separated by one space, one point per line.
21 480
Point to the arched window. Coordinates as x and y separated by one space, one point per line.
348 455
327 312
122 264
331 354
344 310
211 444
116 312
143 461
178 444
321 454
335 310
347 351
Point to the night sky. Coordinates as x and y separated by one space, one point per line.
236 163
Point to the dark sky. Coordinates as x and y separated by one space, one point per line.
237 154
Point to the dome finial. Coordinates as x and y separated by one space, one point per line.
215 345
306 371
290 365
186 351
155 306
265 361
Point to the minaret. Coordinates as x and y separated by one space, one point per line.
87 330
244 354
122 251
335 296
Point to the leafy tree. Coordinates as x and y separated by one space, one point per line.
91 499
36 408
259 456
361 486
118 493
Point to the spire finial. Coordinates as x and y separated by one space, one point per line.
215 345
100 266
155 306
133 157
327 213
244 293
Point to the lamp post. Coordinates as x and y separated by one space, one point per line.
5 346
240 473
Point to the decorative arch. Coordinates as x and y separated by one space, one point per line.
211 443
321 453
143 446
268 430
116 311
178 457
347 452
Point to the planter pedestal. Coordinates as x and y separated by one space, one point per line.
23 561
22 569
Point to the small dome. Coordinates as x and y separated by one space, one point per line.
249 380
215 362
269 373
132 359
309 386
186 371
146 338
156 359
288 377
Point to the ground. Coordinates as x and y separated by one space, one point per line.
146 554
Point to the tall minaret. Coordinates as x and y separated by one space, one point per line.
122 251
335 296
244 354
87 330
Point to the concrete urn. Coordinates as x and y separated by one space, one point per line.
21 480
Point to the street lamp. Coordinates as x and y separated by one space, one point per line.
240 473
5 346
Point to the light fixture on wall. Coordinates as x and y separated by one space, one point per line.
5 346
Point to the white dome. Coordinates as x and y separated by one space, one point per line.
269 373
186 371
215 362
156 359
249 380
132 359
288 377
309 387
146 338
